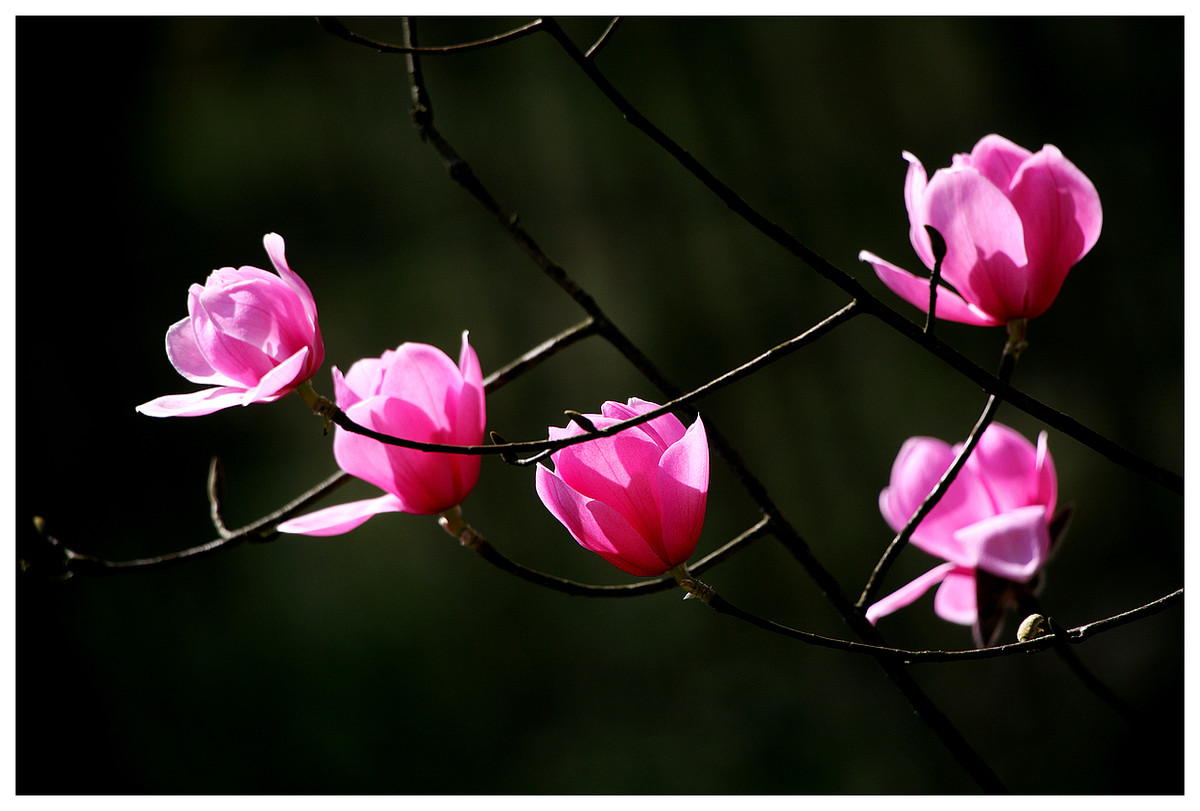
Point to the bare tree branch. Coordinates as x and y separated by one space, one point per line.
335 27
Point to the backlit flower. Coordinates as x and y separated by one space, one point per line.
1014 223
635 498
251 335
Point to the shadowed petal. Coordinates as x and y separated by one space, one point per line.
1012 545
1061 213
909 593
915 290
597 527
955 600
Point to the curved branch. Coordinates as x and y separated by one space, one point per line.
539 353
472 539
1073 636
604 38
335 27
262 529
542 447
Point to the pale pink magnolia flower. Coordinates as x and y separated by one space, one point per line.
635 498
250 334
415 392
993 526
1014 223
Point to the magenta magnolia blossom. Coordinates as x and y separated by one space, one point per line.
636 498
993 525
1014 223
250 334
415 392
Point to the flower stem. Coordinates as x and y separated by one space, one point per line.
1013 348
694 588
453 522
321 405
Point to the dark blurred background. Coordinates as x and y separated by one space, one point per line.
391 660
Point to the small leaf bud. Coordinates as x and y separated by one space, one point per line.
1032 627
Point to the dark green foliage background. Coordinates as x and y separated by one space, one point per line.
390 660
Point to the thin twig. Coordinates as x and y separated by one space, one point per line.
539 353
542 447
1074 636
216 495
604 38
935 279
335 27
1091 681
260 529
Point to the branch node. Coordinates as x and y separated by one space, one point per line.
581 420
508 457
696 589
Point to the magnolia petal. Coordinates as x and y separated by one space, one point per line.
1047 492
1006 463
425 483
340 518
597 527
361 381
665 429
1061 214
620 471
985 241
915 290
908 593
920 464
683 493
282 379
471 416
230 334
425 377
915 181
194 404
1012 545
955 600
187 357
274 245
998 159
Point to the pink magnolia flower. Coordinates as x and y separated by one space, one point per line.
635 498
251 333
993 526
415 392
1014 223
